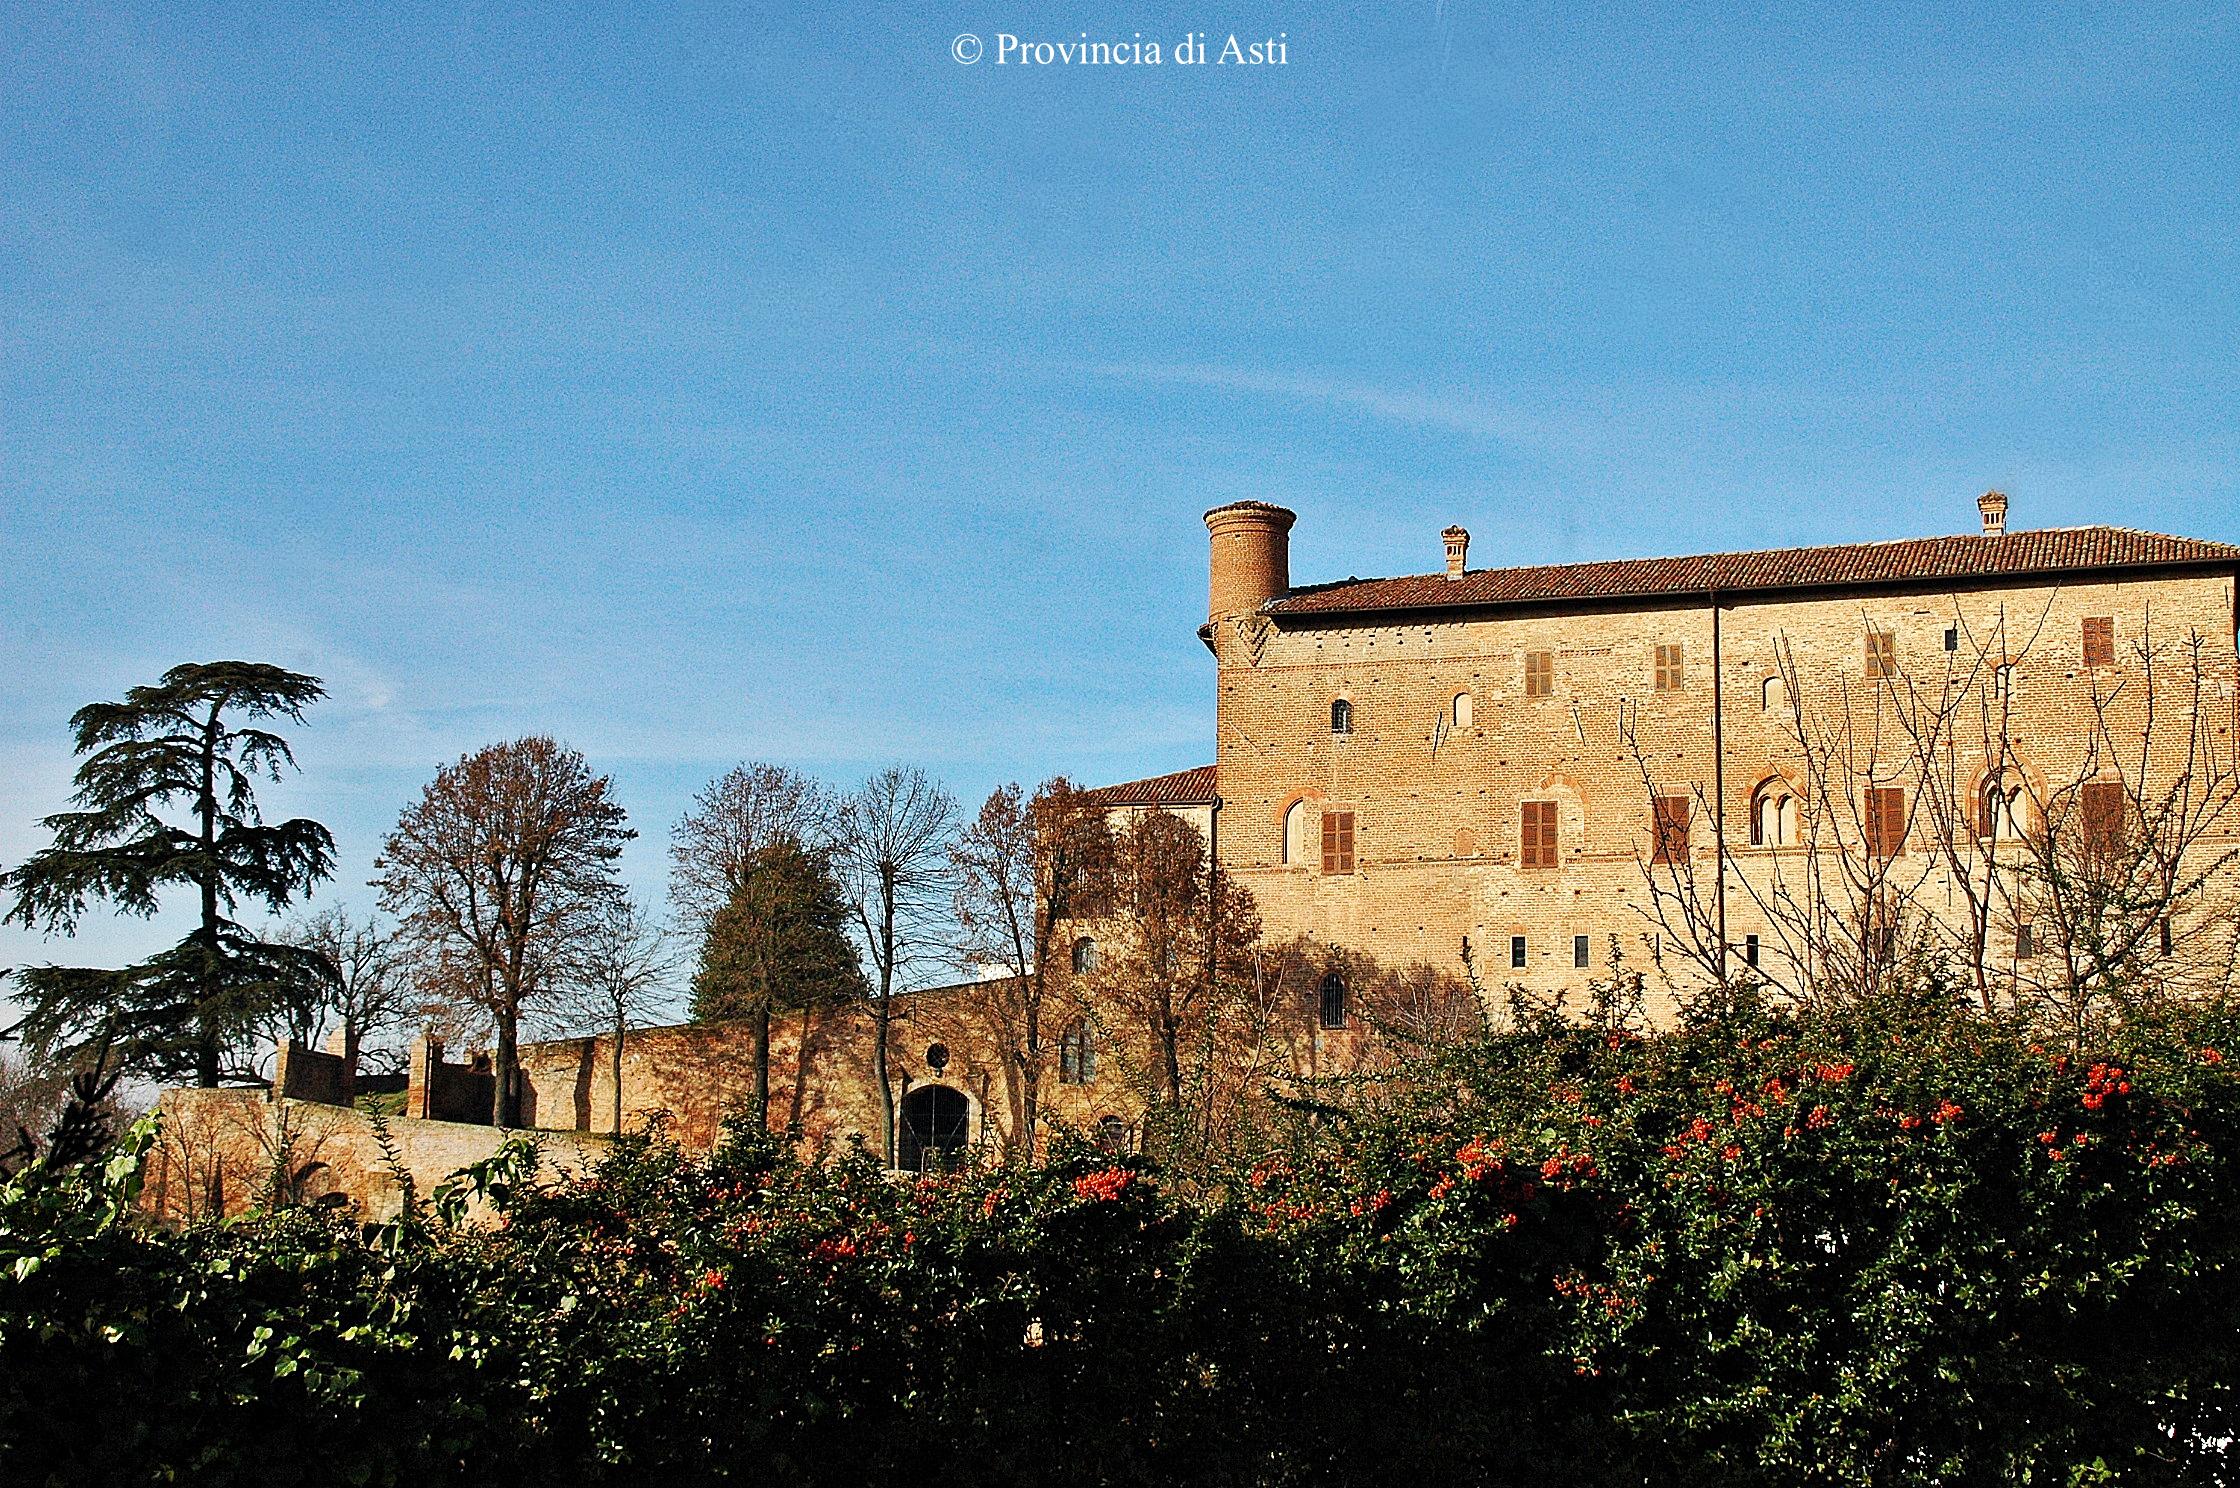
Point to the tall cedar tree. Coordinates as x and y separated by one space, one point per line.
501 867
1023 866
894 837
780 943
191 1009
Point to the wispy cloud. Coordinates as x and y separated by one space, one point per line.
1454 411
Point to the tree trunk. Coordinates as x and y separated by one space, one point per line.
505 1067
206 807
882 1016
619 1020
762 1065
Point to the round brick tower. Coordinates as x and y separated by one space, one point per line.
1251 556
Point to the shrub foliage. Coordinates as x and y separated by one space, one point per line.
1893 1244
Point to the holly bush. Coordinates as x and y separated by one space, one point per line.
1896 1243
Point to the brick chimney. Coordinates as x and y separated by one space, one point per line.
1458 550
1251 556
1993 505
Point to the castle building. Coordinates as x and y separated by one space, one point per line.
1784 759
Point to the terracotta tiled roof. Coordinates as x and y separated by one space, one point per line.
1182 788
2052 552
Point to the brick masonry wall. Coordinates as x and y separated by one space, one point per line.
217 1151
1437 807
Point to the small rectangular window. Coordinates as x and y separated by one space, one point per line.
1882 654
1516 950
1749 950
1538 831
1886 820
1671 668
2025 942
2099 640
1952 638
2169 938
1539 673
1671 830
1337 842
1581 953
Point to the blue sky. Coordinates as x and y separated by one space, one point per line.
700 384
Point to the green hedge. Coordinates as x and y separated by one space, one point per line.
1897 1245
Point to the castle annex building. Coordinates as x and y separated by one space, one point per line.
1775 758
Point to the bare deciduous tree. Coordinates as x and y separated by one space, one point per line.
2095 862
497 871
894 836
1024 865
621 970
714 848
371 993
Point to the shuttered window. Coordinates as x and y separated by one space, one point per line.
1539 673
1882 654
1337 842
2102 803
1539 834
1671 668
1886 820
2099 640
1671 830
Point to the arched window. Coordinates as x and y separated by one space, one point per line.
1084 955
1341 717
1333 1000
1773 816
1077 1056
1999 814
1774 694
1295 832
1465 710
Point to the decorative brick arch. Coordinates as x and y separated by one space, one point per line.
1283 813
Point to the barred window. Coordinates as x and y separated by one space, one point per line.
1341 717
1333 1001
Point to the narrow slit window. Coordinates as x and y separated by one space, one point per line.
1341 717
1581 951
1749 950
1516 952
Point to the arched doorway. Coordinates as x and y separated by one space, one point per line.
936 1126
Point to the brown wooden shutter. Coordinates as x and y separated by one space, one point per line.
2099 640
1882 654
1671 668
2103 815
1337 842
1539 673
1886 820
1539 834
1671 829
